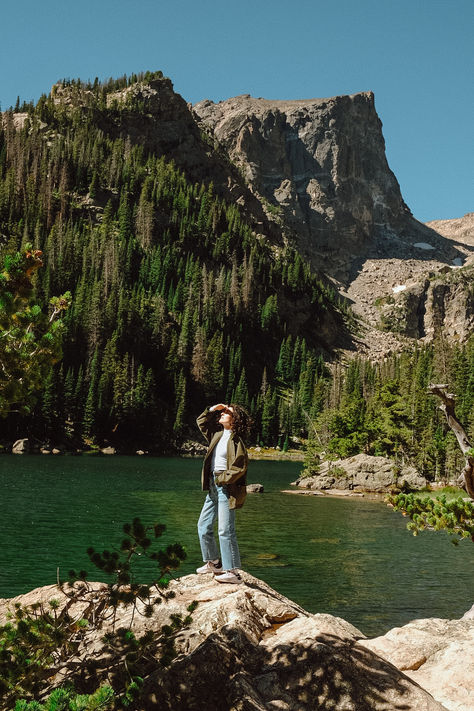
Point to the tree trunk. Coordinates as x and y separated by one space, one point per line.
447 406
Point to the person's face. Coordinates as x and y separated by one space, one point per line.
226 418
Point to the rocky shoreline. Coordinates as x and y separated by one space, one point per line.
250 648
360 475
337 493
189 448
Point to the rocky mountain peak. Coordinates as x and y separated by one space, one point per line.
149 112
319 168
313 171
320 164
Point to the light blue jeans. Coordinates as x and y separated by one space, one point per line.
216 505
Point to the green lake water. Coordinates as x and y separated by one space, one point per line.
348 557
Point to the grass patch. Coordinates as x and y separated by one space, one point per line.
451 492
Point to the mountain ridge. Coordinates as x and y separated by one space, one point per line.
333 195
337 197
190 284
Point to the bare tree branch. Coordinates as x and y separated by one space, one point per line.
448 407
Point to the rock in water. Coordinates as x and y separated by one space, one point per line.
108 450
255 489
21 446
363 472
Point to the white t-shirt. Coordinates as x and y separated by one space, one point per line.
219 455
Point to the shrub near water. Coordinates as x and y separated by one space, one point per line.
453 515
66 699
41 641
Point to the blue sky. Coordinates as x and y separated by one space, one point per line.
416 55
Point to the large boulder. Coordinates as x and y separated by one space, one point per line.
364 473
191 448
250 648
108 450
436 654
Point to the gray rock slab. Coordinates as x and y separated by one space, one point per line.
249 648
435 653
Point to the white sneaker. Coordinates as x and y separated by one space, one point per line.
230 576
211 567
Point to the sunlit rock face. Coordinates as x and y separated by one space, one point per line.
248 648
319 168
433 652
439 305
321 161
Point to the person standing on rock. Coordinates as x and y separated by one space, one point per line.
224 478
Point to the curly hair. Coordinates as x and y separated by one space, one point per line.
241 421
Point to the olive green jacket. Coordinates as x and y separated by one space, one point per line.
234 477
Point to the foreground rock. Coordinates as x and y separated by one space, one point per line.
363 473
436 654
250 648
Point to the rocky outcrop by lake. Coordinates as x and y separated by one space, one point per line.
21 446
363 473
434 653
250 648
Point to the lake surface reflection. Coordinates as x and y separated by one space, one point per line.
348 557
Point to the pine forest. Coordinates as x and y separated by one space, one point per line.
178 302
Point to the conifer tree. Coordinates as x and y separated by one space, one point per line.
181 394
30 341
241 393
90 407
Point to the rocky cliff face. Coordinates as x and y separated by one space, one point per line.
441 303
314 171
320 171
321 165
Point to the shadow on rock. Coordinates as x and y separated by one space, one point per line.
229 672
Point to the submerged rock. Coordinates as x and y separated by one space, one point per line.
255 489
